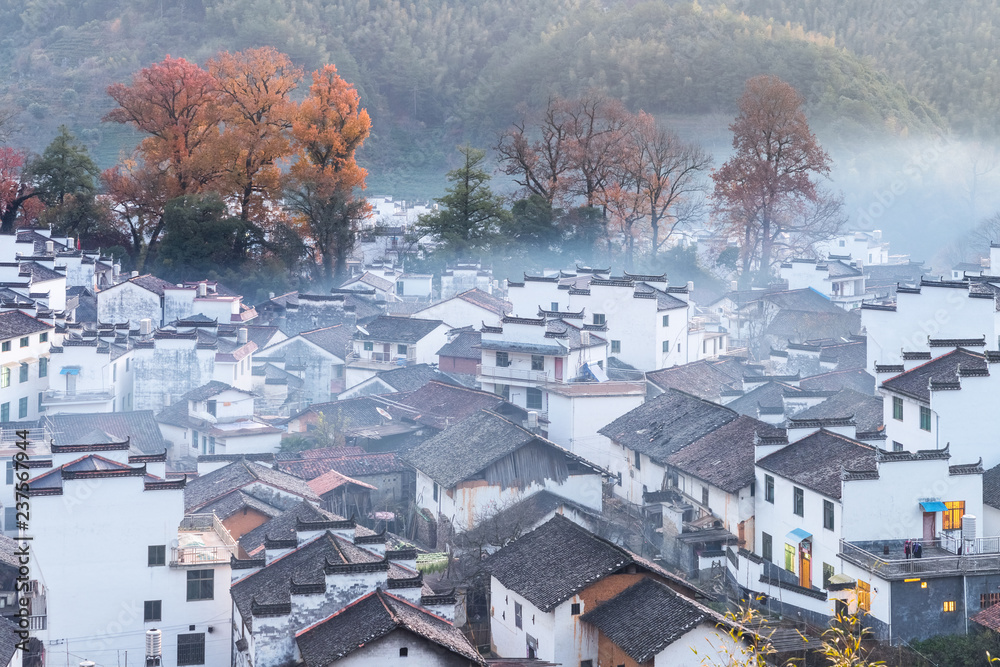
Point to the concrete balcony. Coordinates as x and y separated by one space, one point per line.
202 540
505 374
52 397
941 557
381 361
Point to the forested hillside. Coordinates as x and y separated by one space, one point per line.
438 72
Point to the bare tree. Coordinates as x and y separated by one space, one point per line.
541 166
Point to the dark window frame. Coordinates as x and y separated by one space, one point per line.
769 489
191 649
152 610
798 501
200 585
828 520
156 555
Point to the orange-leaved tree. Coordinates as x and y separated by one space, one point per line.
767 194
253 88
17 195
322 184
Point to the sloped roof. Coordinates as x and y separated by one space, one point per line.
559 559
149 282
139 425
704 379
206 488
806 300
662 426
39 272
459 452
398 329
335 340
210 389
915 382
724 457
282 526
411 378
440 404
648 617
768 395
8 640
799 326
859 380
865 408
991 487
331 480
237 501
14 323
815 461
485 300
372 617
463 346
988 618
261 335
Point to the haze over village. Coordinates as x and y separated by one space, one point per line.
591 335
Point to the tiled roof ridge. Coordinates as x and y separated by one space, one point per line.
336 613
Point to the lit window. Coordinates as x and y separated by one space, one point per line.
864 596
790 558
951 519
949 605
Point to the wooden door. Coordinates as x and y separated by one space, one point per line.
805 564
929 525
559 369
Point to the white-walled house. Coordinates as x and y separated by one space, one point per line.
316 357
24 364
486 462
545 582
843 283
92 373
471 308
170 571
387 342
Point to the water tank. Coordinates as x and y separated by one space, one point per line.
532 419
968 534
585 338
154 643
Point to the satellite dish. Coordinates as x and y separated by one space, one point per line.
362 329
384 413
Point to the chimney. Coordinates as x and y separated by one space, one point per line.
50 247
145 326
71 243
202 290
241 336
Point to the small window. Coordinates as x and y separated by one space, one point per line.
925 418
949 605
951 519
43 337
152 610
25 341
537 362
434 491
765 547
403 651
502 390
753 489
518 621
503 360
897 446
157 555
401 349
864 596
665 348
5 347
769 488
790 558
586 663
554 307
191 649
5 412
43 367
666 320
599 319
704 496
212 407
200 585
10 519
22 407
616 347
368 345
574 609
827 573
5 376
534 399
638 461
10 472
23 373
897 408
114 372
399 288
828 514
798 501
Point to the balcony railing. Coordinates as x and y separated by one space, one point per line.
206 554
51 396
511 373
938 558
381 360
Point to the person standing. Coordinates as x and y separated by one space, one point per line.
906 550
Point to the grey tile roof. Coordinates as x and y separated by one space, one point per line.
662 426
848 356
724 457
336 339
398 329
559 559
411 378
471 445
372 617
704 379
282 525
260 334
8 546
646 618
865 408
8 641
837 269
440 404
352 465
39 272
237 501
916 381
806 300
800 326
859 380
139 425
991 487
463 346
14 323
553 350
204 489
767 395
151 283
485 300
213 388
570 335
815 461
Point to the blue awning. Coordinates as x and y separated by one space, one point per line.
934 506
798 535
69 371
